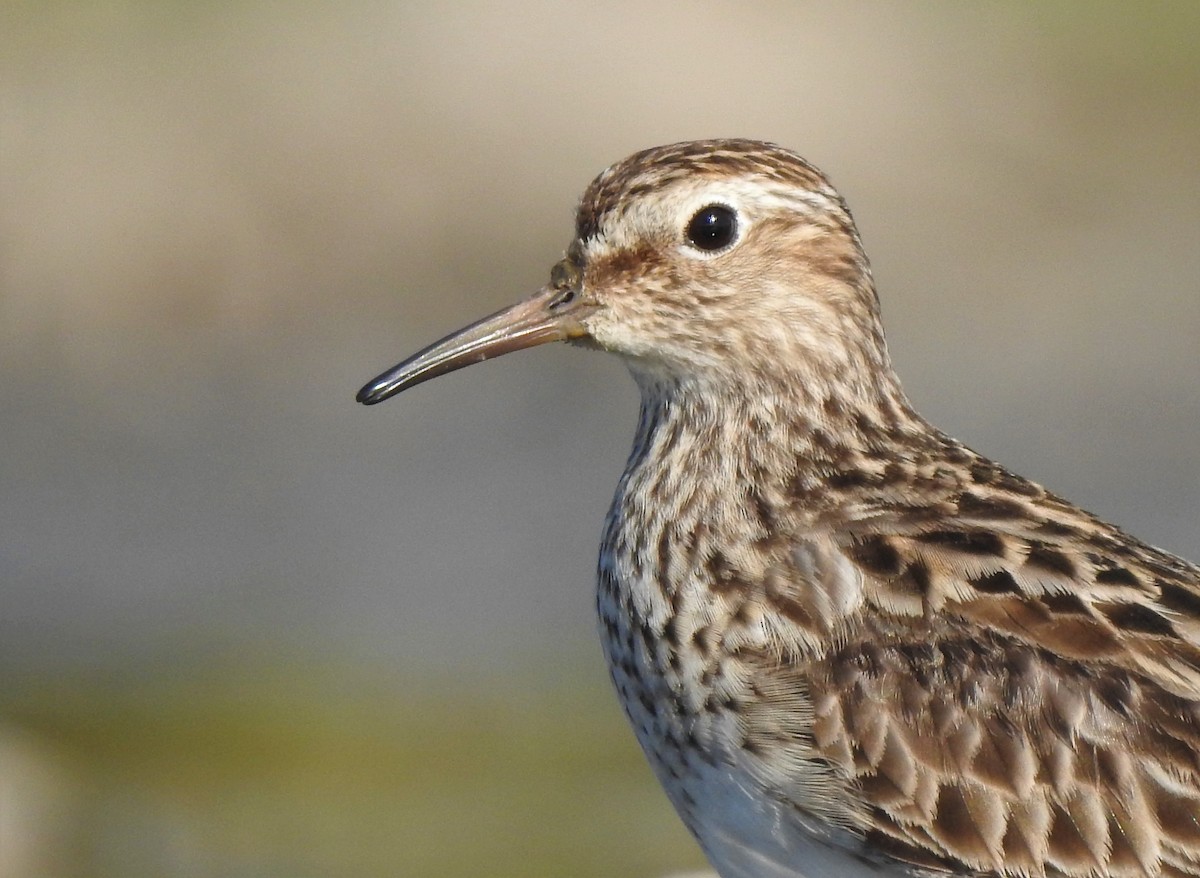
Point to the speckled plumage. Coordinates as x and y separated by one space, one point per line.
848 644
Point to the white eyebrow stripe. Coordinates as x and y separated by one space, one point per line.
645 218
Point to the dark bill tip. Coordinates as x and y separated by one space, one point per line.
550 315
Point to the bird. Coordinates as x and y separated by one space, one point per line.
848 644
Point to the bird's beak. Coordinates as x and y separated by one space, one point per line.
553 314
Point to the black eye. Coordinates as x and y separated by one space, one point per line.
712 228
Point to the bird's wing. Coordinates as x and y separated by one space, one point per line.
1022 693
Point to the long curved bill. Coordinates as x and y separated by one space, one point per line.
553 314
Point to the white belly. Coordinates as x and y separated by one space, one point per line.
746 833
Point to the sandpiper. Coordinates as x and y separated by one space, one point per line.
848 644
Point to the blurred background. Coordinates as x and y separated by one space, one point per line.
248 628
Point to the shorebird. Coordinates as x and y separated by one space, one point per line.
848 644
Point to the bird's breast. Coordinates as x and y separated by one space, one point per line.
725 721
698 612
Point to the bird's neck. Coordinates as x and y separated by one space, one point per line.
722 436
746 463
723 475
720 474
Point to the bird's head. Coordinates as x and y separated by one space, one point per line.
723 262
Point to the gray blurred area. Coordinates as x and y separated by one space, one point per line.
217 220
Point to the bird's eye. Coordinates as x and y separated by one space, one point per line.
713 228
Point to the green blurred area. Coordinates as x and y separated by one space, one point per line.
285 770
